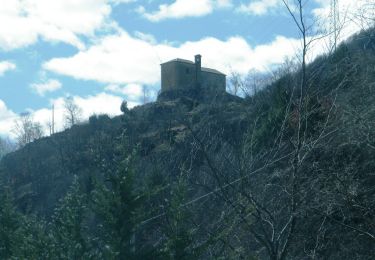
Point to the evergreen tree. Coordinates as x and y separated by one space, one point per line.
68 232
117 207
180 236
21 237
35 240
10 225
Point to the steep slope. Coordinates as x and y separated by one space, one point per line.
276 175
88 150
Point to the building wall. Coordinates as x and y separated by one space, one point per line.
168 76
185 75
181 75
177 75
213 82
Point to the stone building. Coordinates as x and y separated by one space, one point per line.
184 76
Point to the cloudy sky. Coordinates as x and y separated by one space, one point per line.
101 52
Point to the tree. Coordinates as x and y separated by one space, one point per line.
10 224
21 237
180 235
69 240
73 112
116 206
254 81
35 240
124 107
27 130
235 83
364 17
145 94
263 177
6 146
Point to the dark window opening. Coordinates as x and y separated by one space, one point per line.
187 71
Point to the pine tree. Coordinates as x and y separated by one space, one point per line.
21 236
180 236
117 207
35 241
68 232
10 226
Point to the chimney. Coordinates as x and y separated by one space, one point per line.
198 69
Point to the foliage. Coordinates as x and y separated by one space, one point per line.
180 236
267 177
68 234
116 204
10 225
6 146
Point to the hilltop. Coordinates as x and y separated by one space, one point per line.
284 173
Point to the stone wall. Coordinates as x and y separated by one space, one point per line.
178 75
213 81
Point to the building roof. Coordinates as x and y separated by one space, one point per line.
179 60
190 62
212 71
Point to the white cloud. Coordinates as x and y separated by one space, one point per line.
7 118
122 1
6 66
48 86
118 59
259 7
354 15
133 92
145 37
224 3
122 60
23 22
184 8
102 103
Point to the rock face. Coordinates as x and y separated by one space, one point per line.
183 77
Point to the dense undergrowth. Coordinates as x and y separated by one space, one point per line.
264 177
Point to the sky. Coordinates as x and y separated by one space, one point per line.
101 52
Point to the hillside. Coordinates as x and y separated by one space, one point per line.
282 174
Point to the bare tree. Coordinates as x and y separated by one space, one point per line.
145 94
235 83
6 146
27 130
268 203
249 84
365 16
73 112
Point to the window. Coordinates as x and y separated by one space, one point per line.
187 70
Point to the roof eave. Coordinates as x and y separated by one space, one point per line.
178 60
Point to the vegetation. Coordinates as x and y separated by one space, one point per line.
6 146
285 173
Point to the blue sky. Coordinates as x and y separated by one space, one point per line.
101 52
